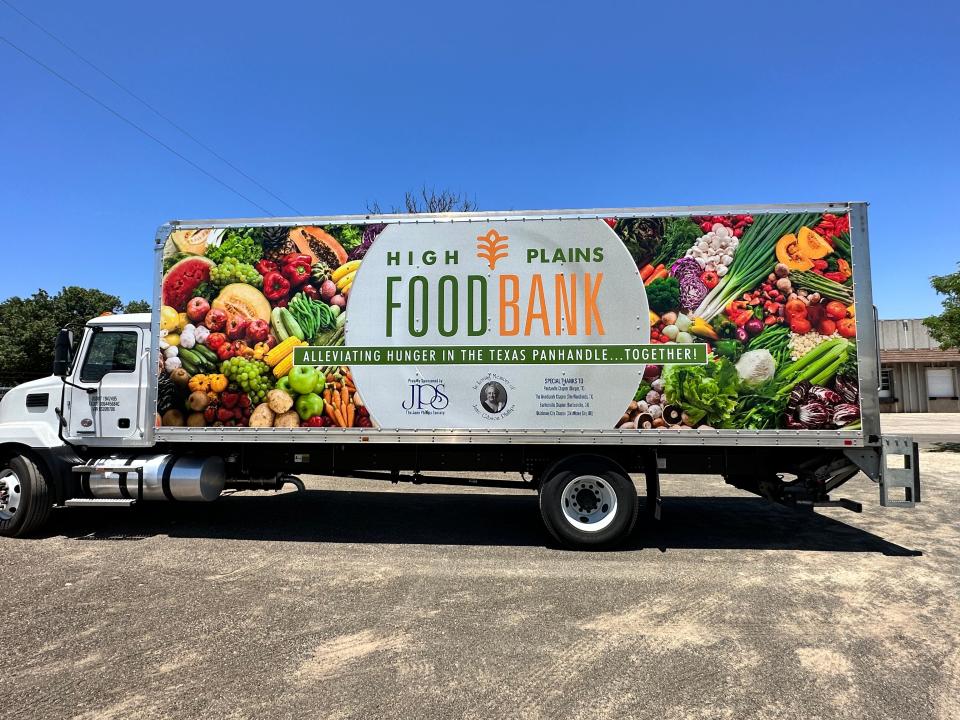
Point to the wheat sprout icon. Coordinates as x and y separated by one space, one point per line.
492 247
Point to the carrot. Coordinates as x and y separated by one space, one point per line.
344 396
328 408
351 414
338 417
658 275
647 271
326 396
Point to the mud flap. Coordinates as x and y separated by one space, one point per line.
900 472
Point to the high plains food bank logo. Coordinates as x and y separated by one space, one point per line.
471 325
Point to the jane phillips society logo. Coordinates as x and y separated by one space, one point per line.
492 247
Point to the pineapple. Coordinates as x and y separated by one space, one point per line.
276 243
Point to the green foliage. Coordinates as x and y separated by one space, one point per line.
349 236
640 236
242 245
679 235
945 327
29 326
705 392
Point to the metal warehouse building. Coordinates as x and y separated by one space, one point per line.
915 374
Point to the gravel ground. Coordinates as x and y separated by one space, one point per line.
415 602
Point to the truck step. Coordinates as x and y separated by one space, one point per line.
100 502
900 479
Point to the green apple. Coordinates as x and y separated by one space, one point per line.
303 379
284 384
309 405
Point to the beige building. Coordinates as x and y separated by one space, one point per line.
915 374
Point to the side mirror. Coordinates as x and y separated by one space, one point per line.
62 352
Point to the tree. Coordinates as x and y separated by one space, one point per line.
945 327
29 326
429 201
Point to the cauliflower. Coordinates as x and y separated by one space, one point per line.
756 367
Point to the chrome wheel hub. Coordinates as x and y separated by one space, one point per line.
10 489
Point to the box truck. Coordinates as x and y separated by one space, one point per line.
570 348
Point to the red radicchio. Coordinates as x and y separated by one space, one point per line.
824 395
847 389
845 413
813 414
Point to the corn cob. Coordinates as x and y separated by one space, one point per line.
283 367
281 350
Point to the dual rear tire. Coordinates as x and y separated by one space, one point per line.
588 502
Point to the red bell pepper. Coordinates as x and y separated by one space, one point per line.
739 312
296 268
275 286
266 266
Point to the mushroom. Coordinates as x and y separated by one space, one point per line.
642 406
655 411
644 421
659 423
672 414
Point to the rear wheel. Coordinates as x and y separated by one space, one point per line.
25 498
588 502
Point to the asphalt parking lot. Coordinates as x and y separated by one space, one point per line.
417 602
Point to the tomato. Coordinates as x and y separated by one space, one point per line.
799 325
796 307
827 327
836 310
847 328
710 279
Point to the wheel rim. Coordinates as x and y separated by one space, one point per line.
10 490
589 503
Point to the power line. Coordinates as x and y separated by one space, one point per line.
136 127
150 107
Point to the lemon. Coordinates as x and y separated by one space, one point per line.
169 318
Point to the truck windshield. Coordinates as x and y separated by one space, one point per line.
109 351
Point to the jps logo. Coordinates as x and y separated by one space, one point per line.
426 396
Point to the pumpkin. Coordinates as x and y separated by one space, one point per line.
812 245
791 255
218 382
199 383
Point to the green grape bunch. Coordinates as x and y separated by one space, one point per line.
253 377
232 270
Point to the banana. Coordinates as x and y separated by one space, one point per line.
344 269
346 280
345 290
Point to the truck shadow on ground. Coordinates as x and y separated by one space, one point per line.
483 519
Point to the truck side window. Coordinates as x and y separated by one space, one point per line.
109 352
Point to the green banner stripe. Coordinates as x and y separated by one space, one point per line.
685 354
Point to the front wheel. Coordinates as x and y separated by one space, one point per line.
25 499
588 502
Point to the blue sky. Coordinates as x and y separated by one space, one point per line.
332 105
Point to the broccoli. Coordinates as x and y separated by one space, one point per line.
663 295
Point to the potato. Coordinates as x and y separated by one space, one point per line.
262 416
287 420
198 401
279 401
196 420
172 418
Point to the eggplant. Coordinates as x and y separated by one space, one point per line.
813 414
845 413
824 395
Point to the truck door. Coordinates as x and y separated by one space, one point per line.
111 363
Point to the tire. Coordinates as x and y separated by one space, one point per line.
25 497
588 502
